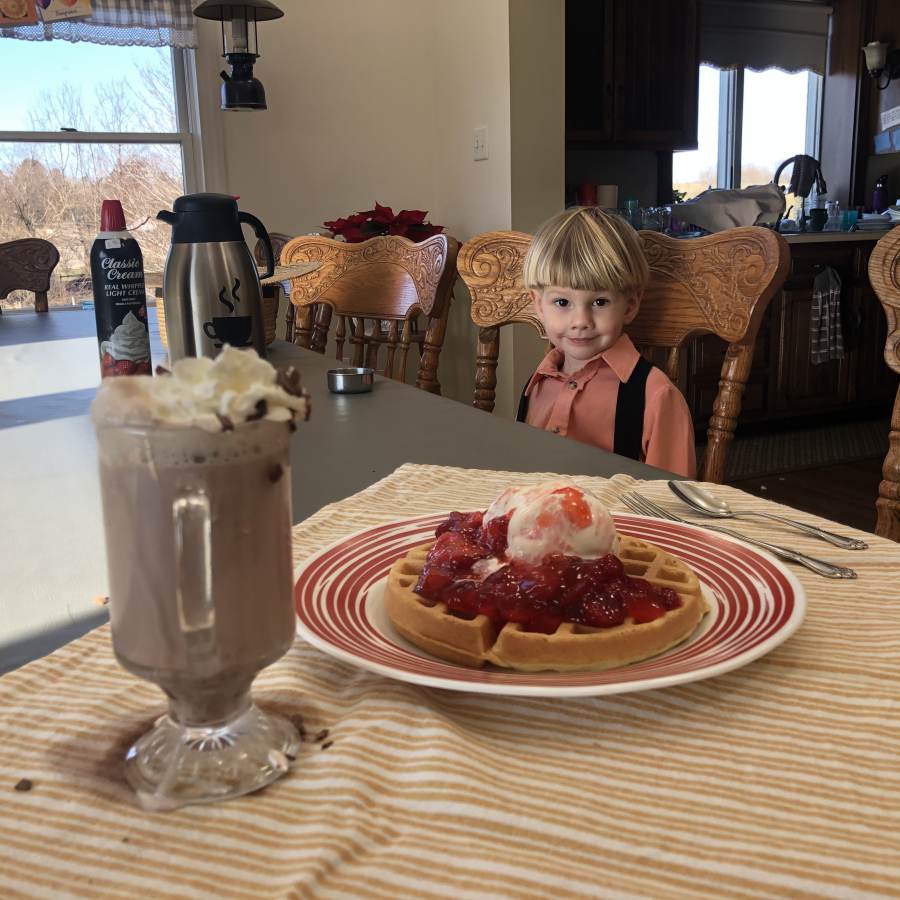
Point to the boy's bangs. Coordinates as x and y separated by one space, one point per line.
585 268
585 254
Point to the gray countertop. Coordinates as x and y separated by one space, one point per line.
49 495
829 237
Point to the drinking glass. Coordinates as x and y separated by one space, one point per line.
633 213
199 556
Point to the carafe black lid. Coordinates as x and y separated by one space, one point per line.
204 219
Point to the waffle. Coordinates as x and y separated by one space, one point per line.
474 642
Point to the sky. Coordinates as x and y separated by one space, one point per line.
27 68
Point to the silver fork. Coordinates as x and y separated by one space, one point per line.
641 505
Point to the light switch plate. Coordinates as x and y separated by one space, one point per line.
481 144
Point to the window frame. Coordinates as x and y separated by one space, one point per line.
187 117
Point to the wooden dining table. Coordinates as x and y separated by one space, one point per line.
776 777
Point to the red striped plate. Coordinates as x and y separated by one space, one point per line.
755 605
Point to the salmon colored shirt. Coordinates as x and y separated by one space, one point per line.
583 406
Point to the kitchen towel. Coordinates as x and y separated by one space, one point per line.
826 339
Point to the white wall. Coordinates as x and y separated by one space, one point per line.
350 119
538 113
471 56
378 100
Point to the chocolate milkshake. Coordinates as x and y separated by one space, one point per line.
195 480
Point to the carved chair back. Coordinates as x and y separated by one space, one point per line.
377 288
26 265
720 284
884 275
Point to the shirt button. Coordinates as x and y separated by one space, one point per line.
556 430
573 385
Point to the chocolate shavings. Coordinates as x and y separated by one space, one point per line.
259 411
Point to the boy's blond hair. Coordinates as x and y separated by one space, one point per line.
586 249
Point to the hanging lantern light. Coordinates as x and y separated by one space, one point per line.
240 90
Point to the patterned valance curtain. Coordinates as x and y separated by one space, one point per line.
763 34
146 23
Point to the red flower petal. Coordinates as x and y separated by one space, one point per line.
382 214
354 235
412 216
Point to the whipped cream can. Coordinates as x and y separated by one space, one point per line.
120 300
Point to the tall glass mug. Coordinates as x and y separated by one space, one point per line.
198 529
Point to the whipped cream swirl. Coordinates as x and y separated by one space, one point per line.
218 394
130 340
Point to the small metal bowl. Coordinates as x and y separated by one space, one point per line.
350 381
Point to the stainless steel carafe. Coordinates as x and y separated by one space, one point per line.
211 287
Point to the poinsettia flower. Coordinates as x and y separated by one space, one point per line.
411 216
382 214
354 235
361 226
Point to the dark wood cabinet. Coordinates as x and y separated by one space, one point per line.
632 72
785 386
590 70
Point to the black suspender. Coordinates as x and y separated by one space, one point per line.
630 403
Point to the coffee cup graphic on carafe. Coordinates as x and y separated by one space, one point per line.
233 328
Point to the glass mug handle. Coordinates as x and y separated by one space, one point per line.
194 601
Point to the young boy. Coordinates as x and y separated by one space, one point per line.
587 271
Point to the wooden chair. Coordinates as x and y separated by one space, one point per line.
884 275
720 284
377 288
26 265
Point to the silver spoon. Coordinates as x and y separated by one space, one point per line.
705 503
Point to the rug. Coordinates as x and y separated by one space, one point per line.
808 448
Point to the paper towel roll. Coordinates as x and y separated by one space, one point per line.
608 196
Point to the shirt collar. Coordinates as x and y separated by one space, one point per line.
622 357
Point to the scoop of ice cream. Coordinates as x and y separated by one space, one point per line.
555 517
130 340
213 394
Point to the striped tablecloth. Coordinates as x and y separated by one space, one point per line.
779 779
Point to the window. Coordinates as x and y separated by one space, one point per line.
694 171
749 122
87 122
